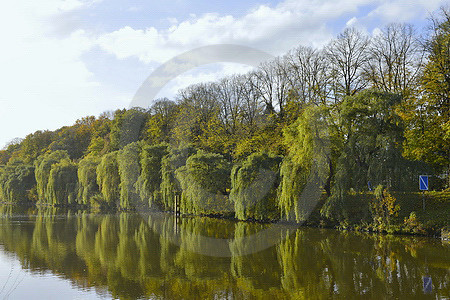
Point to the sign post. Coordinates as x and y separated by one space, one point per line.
423 186
427 285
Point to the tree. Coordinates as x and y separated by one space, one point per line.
108 179
127 127
159 126
428 116
16 182
205 180
43 166
395 60
307 72
170 186
272 86
309 165
347 56
129 170
371 135
62 183
149 181
254 187
73 139
36 144
87 179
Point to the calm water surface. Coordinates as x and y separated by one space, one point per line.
51 254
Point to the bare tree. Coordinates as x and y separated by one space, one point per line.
347 56
396 57
252 108
229 93
272 85
306 70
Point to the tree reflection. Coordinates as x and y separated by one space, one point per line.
135 256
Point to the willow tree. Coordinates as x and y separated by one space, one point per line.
205 180
108 178
170 186
254 187
129 169
16 181
87 179
308 167
371 136
62 183
149 181
43 166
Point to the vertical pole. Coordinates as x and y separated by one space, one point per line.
423 200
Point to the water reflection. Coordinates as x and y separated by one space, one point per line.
156 256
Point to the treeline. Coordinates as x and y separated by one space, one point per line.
364 113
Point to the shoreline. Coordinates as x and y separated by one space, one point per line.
442 233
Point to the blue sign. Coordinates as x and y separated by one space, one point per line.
423 182
427 284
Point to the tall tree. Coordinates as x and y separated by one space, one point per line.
149 181
108 179
428 117
43 166
395 60
347 56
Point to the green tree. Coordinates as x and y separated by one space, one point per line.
43 166
126 127
87 179
312 147
205 180
170 186
428 116
371 135
149 181
16 182
129 170
62 183
254 187
108 179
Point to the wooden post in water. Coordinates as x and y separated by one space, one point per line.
175 205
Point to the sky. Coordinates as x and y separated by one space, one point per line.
61 60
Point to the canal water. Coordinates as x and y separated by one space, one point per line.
53 254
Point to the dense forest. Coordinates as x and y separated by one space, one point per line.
362 116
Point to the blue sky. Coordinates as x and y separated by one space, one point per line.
64 59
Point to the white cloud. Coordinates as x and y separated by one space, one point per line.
351 22
273 29
404 10
206 73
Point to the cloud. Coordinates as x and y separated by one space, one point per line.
404 10
46 82
273 29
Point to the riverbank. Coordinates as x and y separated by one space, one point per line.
411 219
